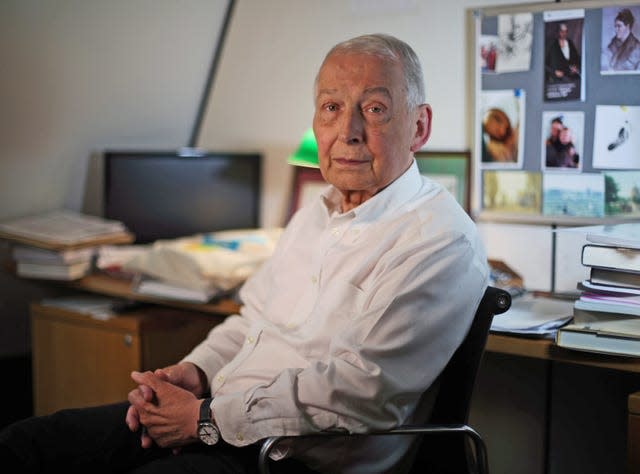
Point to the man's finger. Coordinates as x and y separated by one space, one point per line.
146 392
146 378
132 420
145 439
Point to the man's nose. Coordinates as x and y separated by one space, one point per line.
351 127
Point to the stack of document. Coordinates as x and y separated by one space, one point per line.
534 316
60 244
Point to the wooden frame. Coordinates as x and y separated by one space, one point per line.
307 182
451 169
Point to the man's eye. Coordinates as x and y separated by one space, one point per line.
331 107
375 109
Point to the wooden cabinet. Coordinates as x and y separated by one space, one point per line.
81 361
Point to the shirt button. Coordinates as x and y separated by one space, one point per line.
220 378
239 437
335 232
250 339
314 279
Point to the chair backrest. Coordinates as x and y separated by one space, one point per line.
457 382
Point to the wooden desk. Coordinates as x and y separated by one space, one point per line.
121 288
81 361
503 344
548 350
78 360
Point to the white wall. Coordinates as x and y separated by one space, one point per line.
78 76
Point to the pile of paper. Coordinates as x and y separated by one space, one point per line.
534 316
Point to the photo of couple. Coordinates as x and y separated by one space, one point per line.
562 147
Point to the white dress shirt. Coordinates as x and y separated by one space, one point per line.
348 323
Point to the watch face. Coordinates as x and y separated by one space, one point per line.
208 433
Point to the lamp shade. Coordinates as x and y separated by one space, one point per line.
307 152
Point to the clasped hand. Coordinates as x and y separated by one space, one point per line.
166 404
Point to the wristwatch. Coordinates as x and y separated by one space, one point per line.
207 430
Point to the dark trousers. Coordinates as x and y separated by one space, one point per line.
98 441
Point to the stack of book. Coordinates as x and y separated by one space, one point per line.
606 316
70 264
59 245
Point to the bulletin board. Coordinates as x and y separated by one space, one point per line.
555 140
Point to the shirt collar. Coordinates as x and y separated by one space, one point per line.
395 194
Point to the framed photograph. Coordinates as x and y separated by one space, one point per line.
307 184
449 168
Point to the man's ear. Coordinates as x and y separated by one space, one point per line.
423 127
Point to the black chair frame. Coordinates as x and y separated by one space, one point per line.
450 452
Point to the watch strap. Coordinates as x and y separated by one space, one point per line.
205 410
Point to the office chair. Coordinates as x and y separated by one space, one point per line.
444 445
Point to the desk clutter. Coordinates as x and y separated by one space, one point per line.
534 316
530 315
606 316
66 245
60 244
200 267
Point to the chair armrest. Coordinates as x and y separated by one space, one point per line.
431 429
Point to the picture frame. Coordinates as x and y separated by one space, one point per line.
450 168
307 184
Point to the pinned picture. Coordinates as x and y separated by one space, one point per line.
620 40
515 34
501 128
617 137
575 195
488 53
562 140
512 191
563 61
622 193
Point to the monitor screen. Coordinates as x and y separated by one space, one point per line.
170 194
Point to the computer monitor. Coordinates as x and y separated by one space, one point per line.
170 194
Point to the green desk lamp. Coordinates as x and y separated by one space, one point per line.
307 152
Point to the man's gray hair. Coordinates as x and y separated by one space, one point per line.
390 47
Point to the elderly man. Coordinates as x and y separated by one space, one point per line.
369 292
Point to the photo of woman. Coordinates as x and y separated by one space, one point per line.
620 43
501 127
